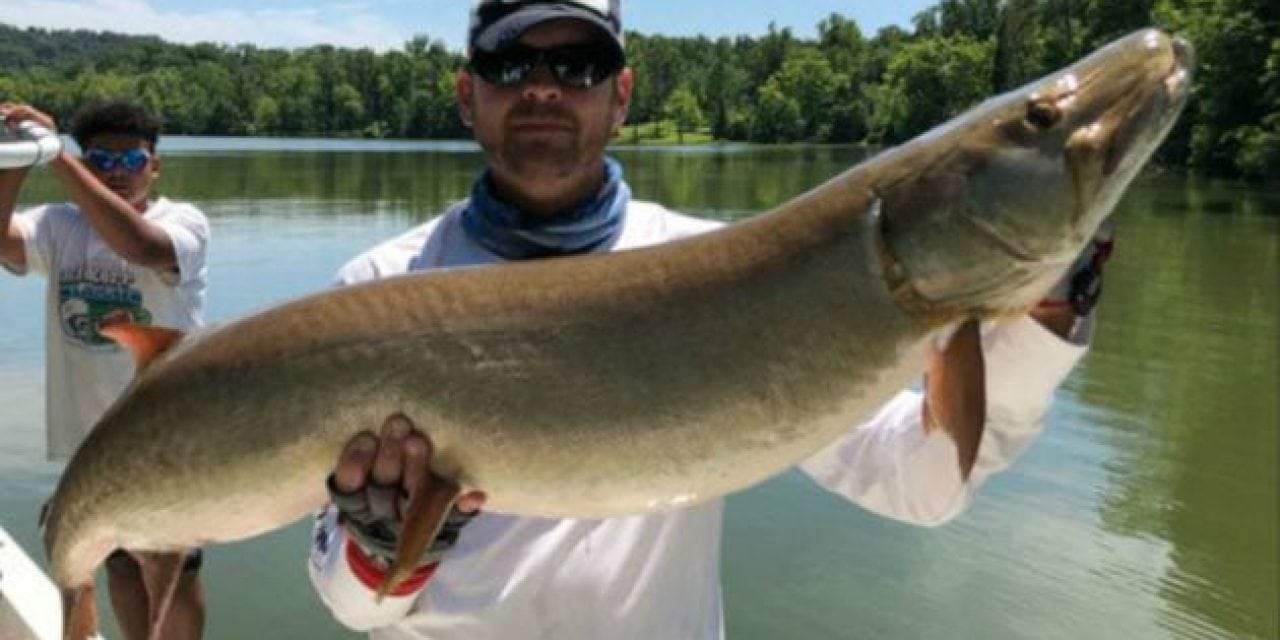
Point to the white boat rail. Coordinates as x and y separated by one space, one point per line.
30 146
30 608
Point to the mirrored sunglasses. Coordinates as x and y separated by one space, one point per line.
580 66
132 160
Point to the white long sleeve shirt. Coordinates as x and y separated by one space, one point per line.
658 575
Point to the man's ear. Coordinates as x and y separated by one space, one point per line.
626 84
464 89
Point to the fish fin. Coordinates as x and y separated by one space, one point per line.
955 398
423 520
162 571
145 342
79 613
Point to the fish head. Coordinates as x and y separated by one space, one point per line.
983 215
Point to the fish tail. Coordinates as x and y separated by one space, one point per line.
79 613
428 508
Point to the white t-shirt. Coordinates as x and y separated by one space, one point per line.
658 575
89 284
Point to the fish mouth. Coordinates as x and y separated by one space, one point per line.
1178 80
1151 115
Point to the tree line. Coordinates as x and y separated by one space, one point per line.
844 86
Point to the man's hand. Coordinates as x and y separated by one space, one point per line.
1077 293
374 482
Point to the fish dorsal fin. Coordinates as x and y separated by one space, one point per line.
146 343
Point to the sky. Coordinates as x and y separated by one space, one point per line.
388 24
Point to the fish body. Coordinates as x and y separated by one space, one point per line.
635 381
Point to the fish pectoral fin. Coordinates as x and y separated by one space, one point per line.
79 613
425 516
955 399
145 342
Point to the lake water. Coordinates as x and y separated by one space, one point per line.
1147 510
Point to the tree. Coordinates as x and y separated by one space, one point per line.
659 66
979 19
164 92
841 42
841 86
296 87
1259 155
265 116
1228 127
929 81
1062 34
726 90
682 108
808 79
777 117
769 54
1019 46
1106 20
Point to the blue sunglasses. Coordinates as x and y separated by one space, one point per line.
132 160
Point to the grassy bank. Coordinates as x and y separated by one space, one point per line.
662 133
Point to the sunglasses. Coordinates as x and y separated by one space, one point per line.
132 160
580 66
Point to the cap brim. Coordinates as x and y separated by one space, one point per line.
508 30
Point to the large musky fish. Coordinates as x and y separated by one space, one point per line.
634 381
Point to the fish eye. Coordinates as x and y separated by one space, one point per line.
1042 114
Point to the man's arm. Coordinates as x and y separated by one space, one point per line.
336 572
898 466
923 457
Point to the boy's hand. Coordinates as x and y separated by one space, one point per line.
15 113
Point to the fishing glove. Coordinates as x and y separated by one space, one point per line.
1081 287
370 516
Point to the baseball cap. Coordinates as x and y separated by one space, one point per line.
496 24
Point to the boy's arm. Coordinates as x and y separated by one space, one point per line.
12 252
121 226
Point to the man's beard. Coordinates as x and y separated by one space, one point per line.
553 155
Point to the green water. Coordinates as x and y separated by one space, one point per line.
1148 510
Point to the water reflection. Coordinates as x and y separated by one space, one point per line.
1191 372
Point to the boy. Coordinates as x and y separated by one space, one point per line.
113 253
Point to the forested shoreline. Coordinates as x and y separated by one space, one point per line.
844 86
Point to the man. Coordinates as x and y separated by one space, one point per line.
545 88
114 253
